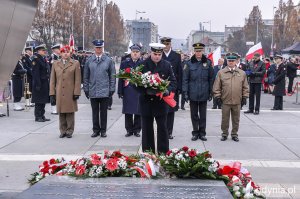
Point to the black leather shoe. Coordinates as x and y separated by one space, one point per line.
203 138
103 134
236 139
95 134
39 120
137 134
249 111
69 136
214 107
109 108
128 134
171 137
256 113
46 119
274 109
182 108
223 138
195 137
62 135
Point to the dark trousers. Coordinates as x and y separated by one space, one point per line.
182 101
290 86
99 104
39 110
148 142
170 122
198 116
133 123
110 101
17 99
278 103
255 91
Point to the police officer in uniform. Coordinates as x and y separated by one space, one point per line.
175 60
231 89
40 90
130 95
153 107
197 88
54 57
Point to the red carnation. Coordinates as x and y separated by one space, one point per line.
192 153
185 148
207 155
52 161
127 70
169 153
45 163
117 154
111 164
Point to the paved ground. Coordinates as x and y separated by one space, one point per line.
268 147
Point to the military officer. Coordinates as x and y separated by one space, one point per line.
197 88
279 82
65 90
40 89
27 63
175 60
18 85
153 107
231 90
130 95
54 57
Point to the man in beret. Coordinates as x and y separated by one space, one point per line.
198 75
98 85
231 90
40 83
175 60
257 71
152 106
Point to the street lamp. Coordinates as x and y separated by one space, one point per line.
138 12
209 24
103 17
83 30
272 43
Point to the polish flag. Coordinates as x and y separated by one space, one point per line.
72 44
215 56
254 49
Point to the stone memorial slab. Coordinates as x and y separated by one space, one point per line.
64 187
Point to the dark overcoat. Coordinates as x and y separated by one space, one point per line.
17 80
279 81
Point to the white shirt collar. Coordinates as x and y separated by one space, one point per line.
168 53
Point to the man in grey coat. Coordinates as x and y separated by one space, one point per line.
99 84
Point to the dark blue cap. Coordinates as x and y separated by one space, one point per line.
98 43
136 47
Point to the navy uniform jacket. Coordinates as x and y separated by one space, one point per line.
279 81
52 58
198 79
17 80
128 91
175 60
151 105
40 75
27 64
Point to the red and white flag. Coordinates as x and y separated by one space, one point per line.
254 49
72 44
215 56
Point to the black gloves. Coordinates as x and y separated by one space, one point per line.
53 99
210 97
75 97
219 102
120 96
111 93
166 93
87 94
244 101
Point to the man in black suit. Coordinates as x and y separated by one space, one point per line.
175 61
291 73
152 106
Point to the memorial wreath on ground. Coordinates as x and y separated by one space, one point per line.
176 163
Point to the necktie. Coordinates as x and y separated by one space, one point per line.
98 59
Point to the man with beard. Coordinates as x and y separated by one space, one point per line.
175 61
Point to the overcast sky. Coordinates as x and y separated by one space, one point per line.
176 18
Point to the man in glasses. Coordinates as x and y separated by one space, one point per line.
198 77
175 60
40 90
231 90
